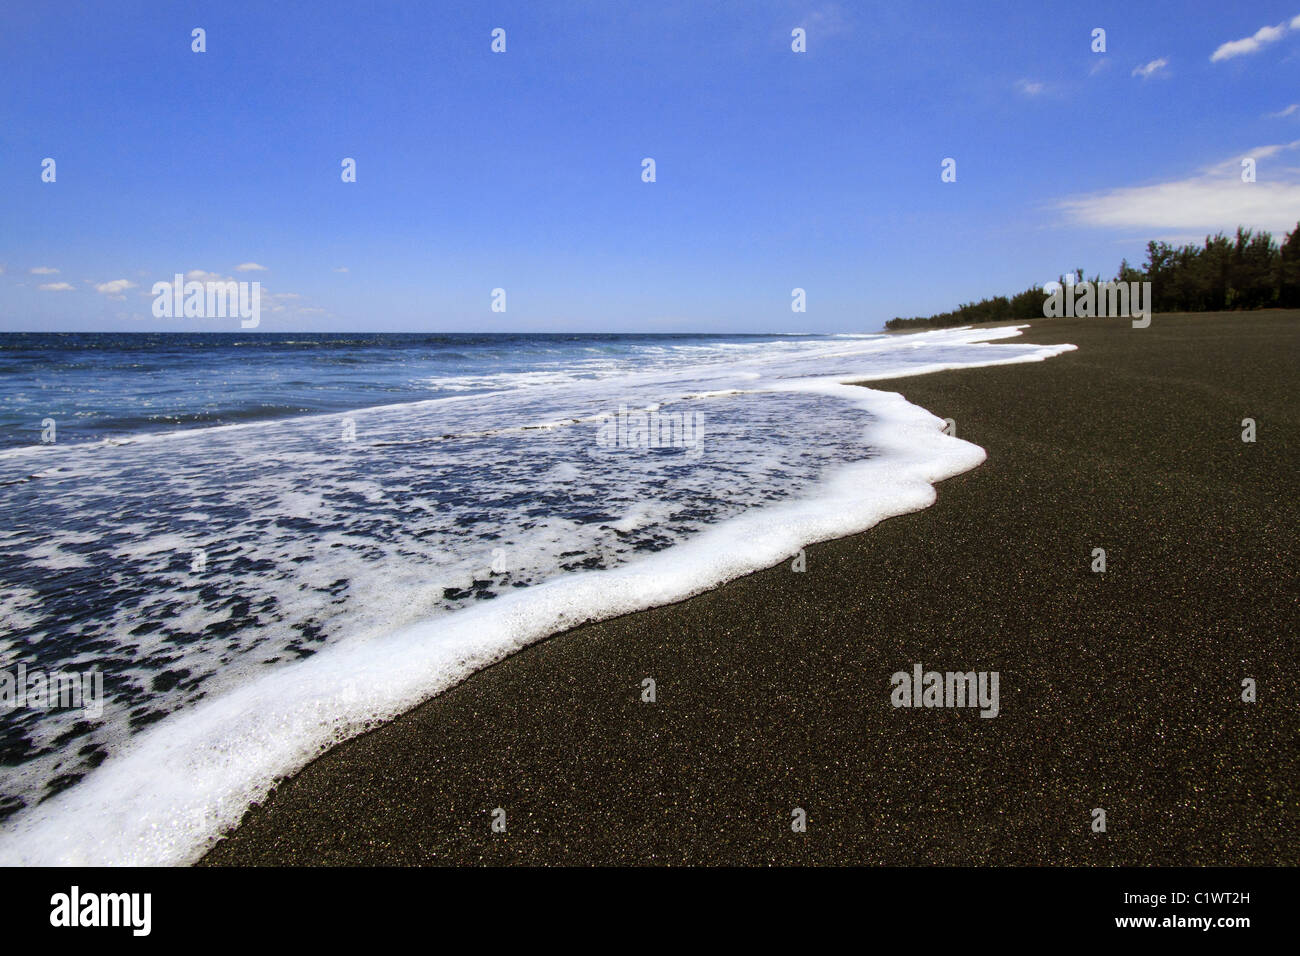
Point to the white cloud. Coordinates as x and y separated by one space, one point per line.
250 267
44 271
1232 167
280 301
828 20
114 288
1286 112
1030 87
1255 42
1213 199
202 275
55 287
1146 72
341 269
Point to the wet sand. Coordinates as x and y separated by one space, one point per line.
1119 691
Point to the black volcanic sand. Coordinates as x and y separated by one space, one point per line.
1119 690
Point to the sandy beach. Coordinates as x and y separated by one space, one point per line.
1118 690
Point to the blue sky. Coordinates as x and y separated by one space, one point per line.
522 170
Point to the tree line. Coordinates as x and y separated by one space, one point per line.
1248 271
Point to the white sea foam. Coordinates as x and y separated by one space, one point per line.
793 456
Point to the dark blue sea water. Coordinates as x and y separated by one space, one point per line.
108 385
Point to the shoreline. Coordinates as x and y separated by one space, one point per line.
772 690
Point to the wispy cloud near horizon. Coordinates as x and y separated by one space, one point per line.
1261 38
114 288
1150 69
1212 200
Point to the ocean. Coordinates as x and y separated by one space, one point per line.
263 544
